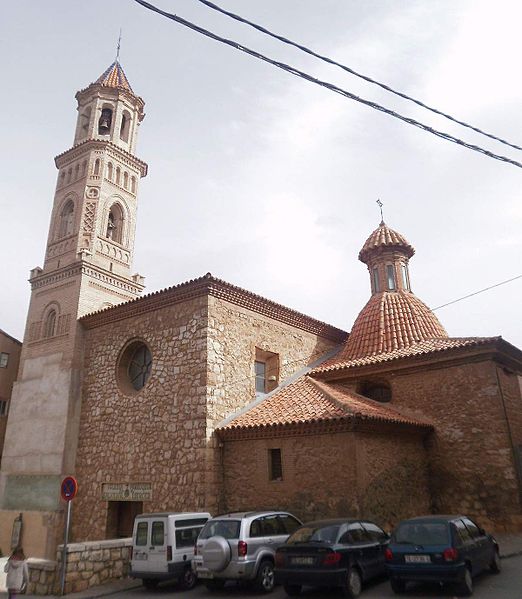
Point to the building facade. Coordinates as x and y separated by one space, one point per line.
205 396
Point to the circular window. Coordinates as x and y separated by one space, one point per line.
377 392
135 366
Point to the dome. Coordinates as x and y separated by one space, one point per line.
384 238
390 321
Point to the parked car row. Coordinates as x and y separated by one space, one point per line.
269 548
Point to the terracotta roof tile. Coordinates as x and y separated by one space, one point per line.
310 401
385 238
426 347
115 77
391 320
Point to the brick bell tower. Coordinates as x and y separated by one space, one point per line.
87 267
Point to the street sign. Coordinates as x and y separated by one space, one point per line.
69 488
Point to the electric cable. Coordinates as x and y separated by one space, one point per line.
328 60
477 292
327 85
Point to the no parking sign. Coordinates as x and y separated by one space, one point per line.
69 488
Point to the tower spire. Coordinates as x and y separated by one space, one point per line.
118 48
380 204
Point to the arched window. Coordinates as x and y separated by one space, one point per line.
375 275
390 277
96 167
77 172
84 167
105 122
50 324
109 171
118 175
126 180
405 277
133 184
66 220
125 126
84 121
115 224
69 175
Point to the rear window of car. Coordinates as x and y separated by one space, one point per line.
141 533
229 529
422 533
185 537
321 534
157 535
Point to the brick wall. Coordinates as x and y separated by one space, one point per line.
379 476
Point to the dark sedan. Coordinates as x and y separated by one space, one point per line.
341 553
443 549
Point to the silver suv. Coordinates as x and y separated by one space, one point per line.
241 546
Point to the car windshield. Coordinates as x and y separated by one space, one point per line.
320 534
223 528
422 533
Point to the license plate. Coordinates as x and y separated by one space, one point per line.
417 559
143 556
204 574
303 561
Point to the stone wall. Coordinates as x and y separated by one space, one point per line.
472 468
382 476
88 565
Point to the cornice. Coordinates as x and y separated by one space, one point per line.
348 424
93 144
210 286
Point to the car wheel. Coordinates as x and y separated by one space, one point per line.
495 566
292 590
398 586
188 580
150 583
265 577
353 584
466 586
215 585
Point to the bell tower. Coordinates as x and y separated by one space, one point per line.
87 267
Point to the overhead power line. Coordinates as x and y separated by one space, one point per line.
327 85
477 292
328 60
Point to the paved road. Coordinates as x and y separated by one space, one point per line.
507 585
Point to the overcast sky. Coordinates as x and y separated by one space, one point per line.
266 180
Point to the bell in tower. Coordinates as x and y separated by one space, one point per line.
104 124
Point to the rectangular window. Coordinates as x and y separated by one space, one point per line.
376 287
390 274
275 465
157 536
260 368
4 359
141 533
405 277
3 407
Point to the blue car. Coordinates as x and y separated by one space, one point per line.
443 549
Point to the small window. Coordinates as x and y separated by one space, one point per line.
126 180
405 277
260 368
376 391
125 126
375 274
141 533
96 167
134 367
50 324
390 275
157 536
275 464
3 407
289 523
462 532
109 171
4 359
133 184
118 175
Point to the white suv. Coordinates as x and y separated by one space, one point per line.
241 546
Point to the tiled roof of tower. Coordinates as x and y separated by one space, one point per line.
390 321
308 401
429 347
384 237
115 77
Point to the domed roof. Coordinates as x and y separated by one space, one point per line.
390 321
385 238
115 77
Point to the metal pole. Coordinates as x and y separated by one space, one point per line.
64 554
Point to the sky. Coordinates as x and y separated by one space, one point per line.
268 181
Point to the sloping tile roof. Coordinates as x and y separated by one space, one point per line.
385 238
307 401
423 348
391 320
115 77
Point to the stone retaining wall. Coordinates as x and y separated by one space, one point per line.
88 565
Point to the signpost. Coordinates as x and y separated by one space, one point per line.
68 491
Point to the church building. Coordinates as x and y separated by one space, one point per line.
205 396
